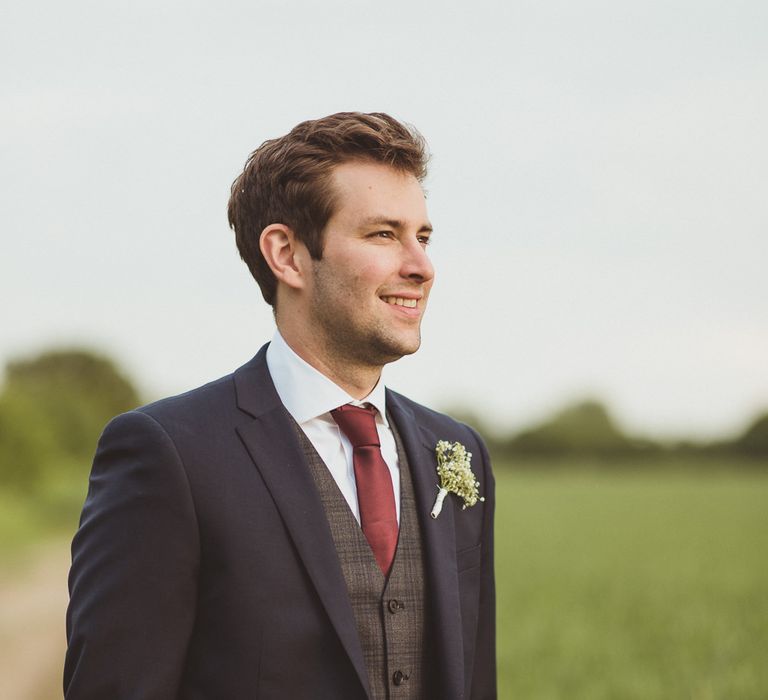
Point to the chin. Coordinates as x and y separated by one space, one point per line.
393 349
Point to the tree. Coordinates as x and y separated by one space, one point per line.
582 428
26 443
53 408
754 440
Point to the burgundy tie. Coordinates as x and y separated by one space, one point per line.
375 495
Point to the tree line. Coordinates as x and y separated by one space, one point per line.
53 407
587 429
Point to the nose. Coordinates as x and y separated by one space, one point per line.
416 264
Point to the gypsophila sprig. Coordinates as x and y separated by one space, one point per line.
456 476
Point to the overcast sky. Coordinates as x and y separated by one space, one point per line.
598 187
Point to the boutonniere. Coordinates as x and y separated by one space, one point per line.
456 475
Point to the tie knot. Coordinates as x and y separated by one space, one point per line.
358 424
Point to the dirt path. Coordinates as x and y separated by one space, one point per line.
33 600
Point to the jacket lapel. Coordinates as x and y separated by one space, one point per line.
439 545
272 444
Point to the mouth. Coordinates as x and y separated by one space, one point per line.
401 301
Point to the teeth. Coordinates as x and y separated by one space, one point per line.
400 301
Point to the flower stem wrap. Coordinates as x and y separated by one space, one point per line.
441 494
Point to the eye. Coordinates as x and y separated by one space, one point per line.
382 234
424 240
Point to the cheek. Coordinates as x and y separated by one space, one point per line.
367 270
370 273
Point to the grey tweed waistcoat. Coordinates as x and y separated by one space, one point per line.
389 612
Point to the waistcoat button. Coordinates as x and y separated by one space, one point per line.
395 605
398 677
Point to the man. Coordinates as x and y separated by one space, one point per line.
269 535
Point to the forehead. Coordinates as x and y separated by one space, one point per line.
365 190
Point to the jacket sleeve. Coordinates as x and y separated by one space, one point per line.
134 569
484 669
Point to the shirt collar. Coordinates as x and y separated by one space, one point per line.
307 393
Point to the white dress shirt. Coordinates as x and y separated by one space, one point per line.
309 396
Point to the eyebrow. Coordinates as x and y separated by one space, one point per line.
393 223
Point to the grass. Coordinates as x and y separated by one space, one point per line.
632 585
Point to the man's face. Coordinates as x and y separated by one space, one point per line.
369 291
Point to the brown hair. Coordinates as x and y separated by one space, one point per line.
288 180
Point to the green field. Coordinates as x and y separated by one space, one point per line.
638 584
634 585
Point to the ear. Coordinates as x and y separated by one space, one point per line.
286 256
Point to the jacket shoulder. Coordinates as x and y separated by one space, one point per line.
441 424
212 407
201 400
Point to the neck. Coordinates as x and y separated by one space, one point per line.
357 379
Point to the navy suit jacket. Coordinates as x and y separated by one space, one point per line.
204 565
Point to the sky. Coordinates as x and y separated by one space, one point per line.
597 185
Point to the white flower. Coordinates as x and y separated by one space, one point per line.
455 472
